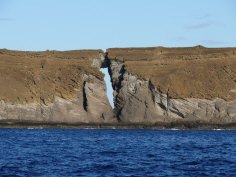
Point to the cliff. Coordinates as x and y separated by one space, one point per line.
52 86
152 86
167 85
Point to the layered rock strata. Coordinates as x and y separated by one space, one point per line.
174 84
152 86
53 86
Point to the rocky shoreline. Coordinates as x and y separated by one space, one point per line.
153 88
155 126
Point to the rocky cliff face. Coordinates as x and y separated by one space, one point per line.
52 86
151 86
174 85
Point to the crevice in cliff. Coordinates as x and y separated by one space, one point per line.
116 84
151 87
109 85
109 89
177 112
85 101
167 102
121 77
107 63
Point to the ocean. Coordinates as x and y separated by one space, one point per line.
97 152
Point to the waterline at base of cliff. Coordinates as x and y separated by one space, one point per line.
155 87
156 126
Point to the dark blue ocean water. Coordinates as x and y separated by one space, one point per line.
74 152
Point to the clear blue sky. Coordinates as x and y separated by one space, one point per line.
92 24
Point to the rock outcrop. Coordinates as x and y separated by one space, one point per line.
166 85
152 86
53 86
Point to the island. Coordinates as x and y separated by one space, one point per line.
155 87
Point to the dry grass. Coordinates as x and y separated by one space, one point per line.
27 77
184 72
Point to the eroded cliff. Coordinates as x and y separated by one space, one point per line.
152 86
174 84
53 86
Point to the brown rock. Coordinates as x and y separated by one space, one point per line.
196 72
174 84
52 86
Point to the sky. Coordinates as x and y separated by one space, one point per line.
92 24
101 24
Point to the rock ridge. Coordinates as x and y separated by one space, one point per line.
151 86
53 86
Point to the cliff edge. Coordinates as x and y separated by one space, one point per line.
158 84
53 86
151 86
